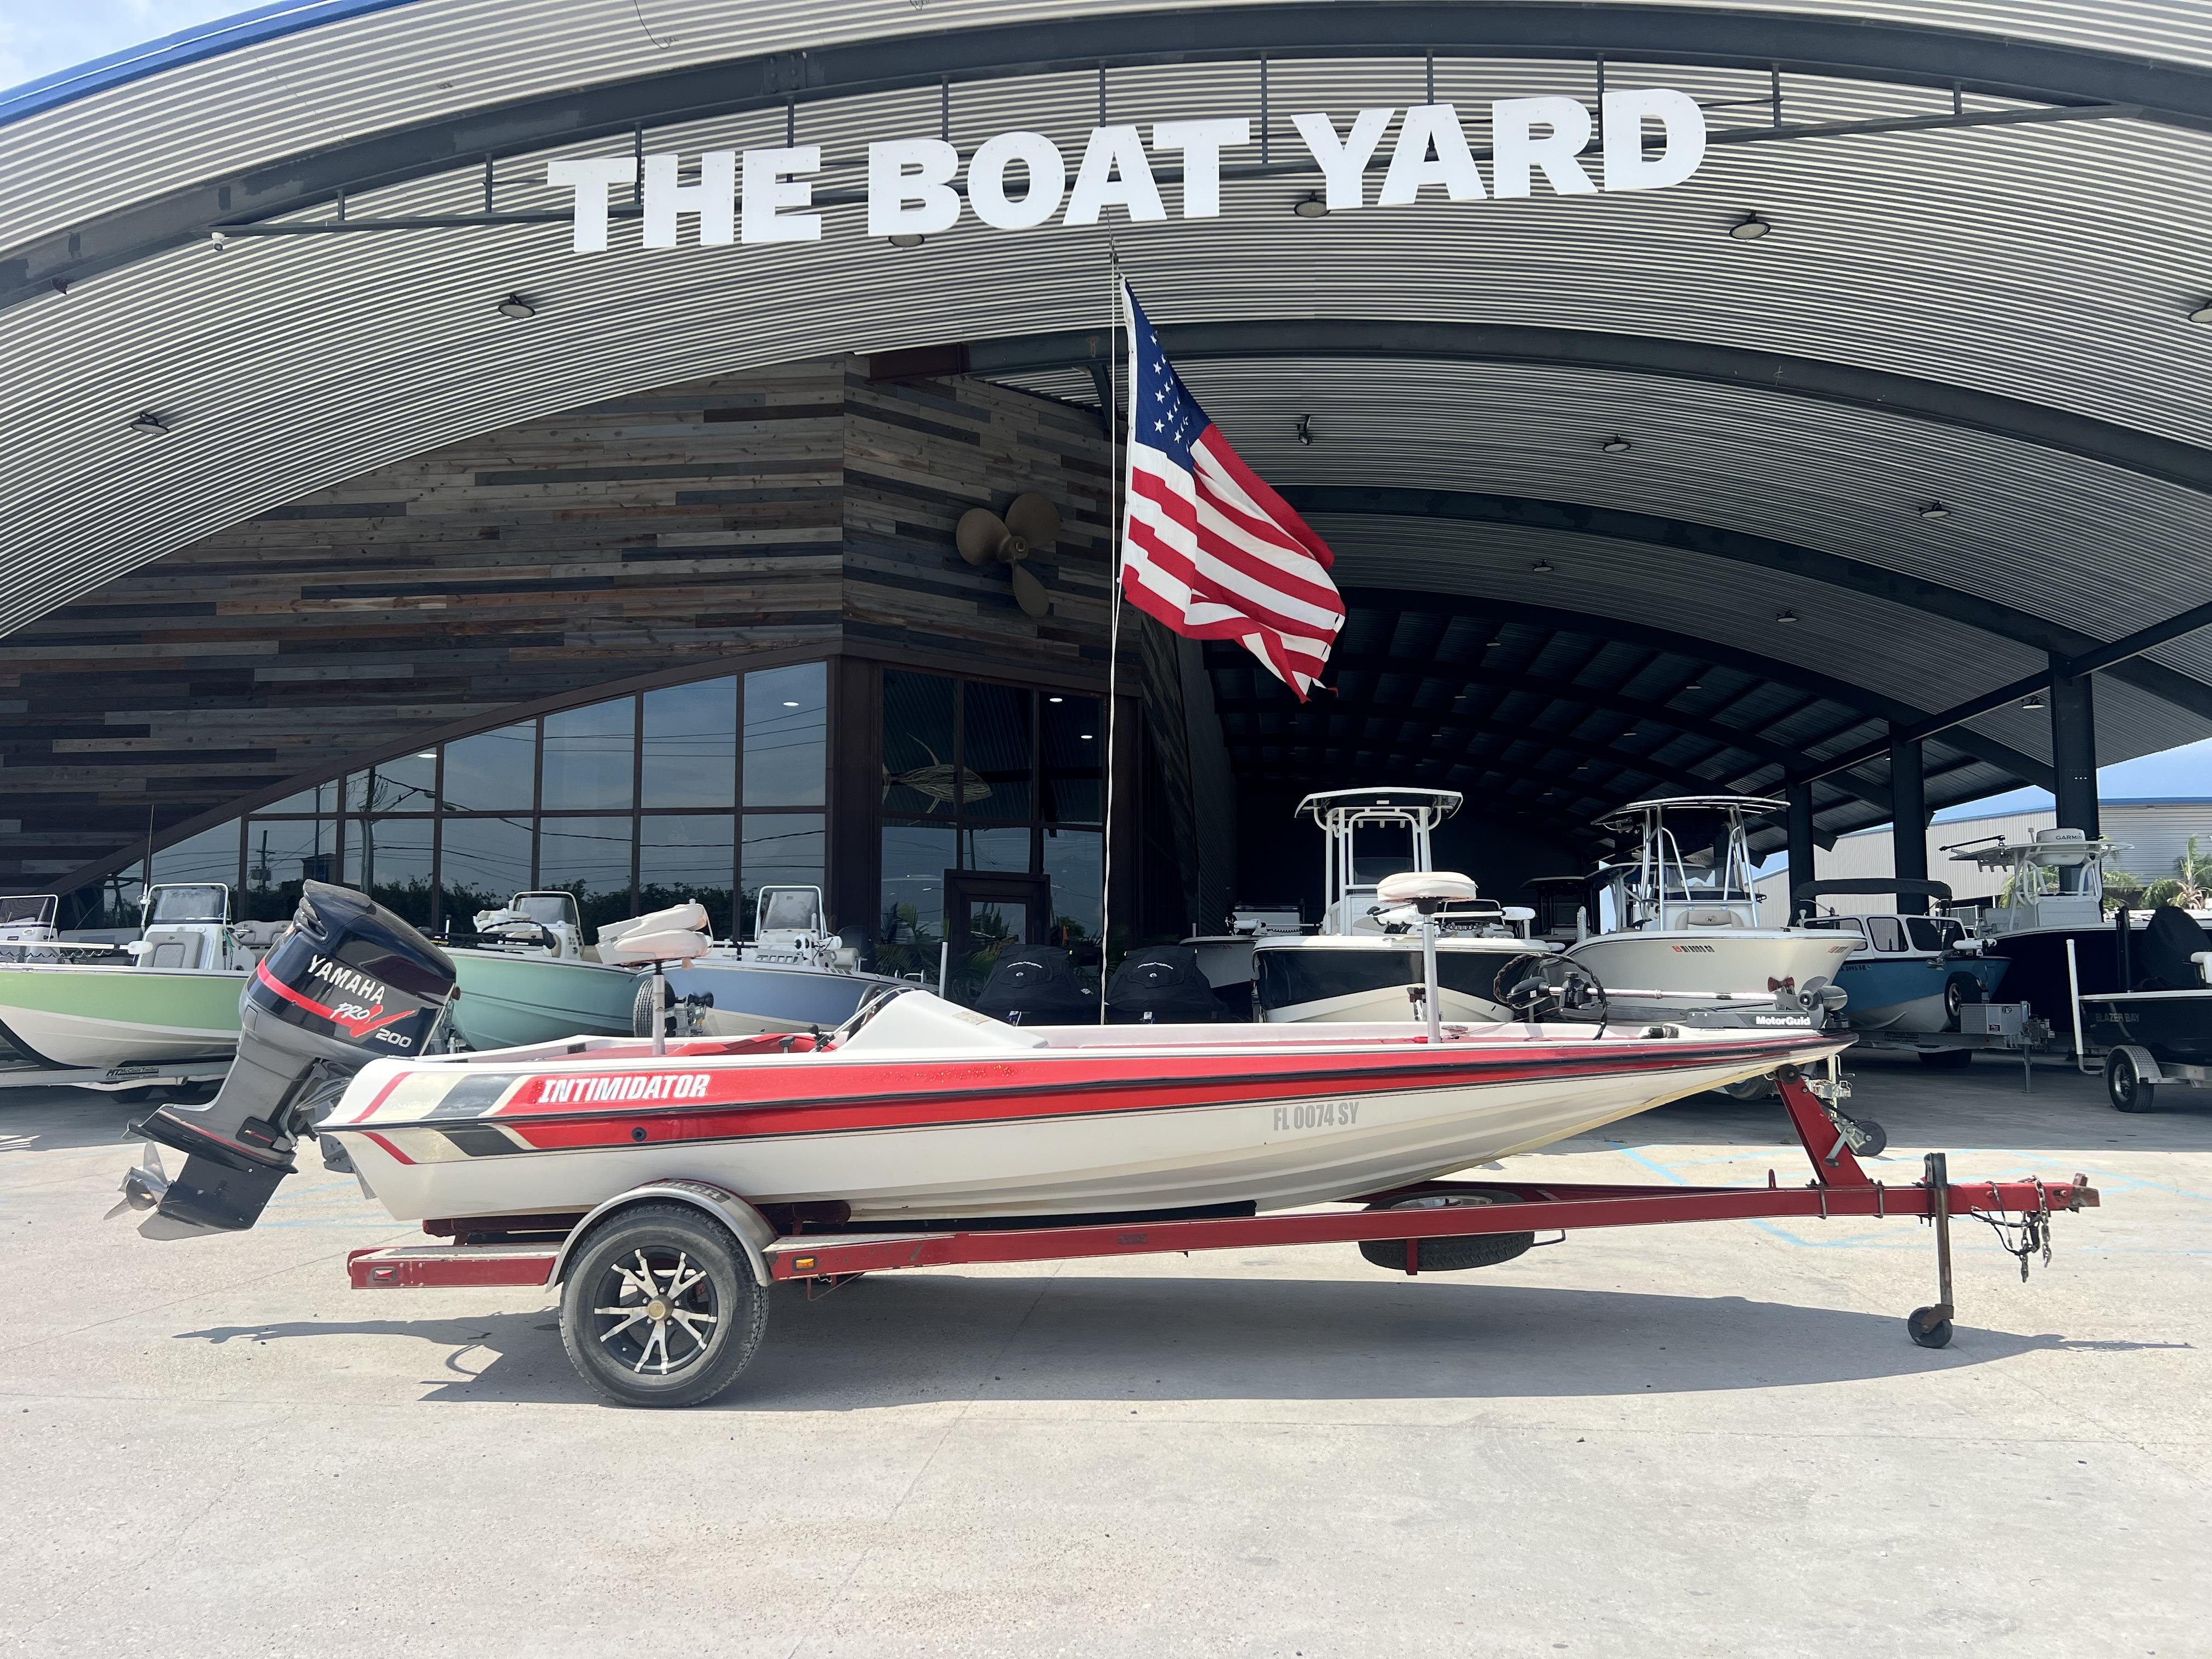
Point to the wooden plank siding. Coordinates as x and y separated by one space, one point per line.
798 509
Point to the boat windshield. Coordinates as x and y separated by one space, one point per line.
548 909
1380 850
26 910
790 910
188 903
1934 933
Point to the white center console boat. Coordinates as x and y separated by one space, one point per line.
1364 963
1683 941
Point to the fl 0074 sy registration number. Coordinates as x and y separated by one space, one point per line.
1318 1114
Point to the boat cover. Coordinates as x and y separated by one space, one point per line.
1036 985
2163 956
1162 983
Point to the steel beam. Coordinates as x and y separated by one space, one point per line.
1853 48
2074 749
1800 822
1908 823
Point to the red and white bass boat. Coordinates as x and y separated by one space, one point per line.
915 1110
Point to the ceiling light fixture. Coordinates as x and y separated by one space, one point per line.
1056 699
791 705
1541 568
2033 700
1305 430
1312 205
1785 615
1749 228
1695 685
426 753
2203 314
516 306
148 421
1934 510
1615 445
907 239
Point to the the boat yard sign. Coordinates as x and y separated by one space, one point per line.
910 181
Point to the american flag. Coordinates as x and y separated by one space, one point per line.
1207 548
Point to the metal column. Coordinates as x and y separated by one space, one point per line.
2074 750
1801 839
1908 826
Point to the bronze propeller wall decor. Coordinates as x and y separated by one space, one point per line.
985 538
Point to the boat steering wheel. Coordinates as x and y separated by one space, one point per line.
1537 987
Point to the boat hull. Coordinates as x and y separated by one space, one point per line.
1337 979
512 1001
1686 965
1906 993
104 1017
2175 1026
2037 971
1087 1134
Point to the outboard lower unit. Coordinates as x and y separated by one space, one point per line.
349 983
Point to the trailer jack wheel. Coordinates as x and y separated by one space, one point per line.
1929 1327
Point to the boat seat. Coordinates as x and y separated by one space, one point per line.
1412 886
665 944
689 917
258 935
167 947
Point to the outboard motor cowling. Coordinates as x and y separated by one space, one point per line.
1036 985
349 983
1162 985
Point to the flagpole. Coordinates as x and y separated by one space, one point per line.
1114 502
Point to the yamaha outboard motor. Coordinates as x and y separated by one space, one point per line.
1162 985
1036 985
349 983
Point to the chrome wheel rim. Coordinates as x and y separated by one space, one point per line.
655 1311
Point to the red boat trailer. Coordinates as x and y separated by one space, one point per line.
1840 1187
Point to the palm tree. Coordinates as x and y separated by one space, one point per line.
2194 870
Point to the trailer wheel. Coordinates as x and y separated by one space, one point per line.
1929 1327
640 1007
1958 990
660 1308
2124 1084
1448 1255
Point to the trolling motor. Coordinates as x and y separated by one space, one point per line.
351 983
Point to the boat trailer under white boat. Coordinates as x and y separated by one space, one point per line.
664 1280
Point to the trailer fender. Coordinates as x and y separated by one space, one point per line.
748 1226
2146 1067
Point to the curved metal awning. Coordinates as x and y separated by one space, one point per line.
1976 298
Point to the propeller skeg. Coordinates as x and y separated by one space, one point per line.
985 538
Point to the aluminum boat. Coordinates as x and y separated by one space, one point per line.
1906 975
913 1110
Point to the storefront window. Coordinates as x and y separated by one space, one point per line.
211 856
1074 861
911 921
483 862
591 858
786 735
323 797
1072 753
591 755
997 750
406 784
781 849
493 771
1004 849
389 859
281 853
689 746
918 745
687 856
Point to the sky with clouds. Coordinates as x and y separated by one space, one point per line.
38 36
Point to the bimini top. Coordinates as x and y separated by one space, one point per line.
1443 803
1629 817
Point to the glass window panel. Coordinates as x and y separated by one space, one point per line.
1072 740
786 735
995 849
279 856
389 859
687 857
1886 933
211 856
690 743
997 741
483 862
110 905
782 849
589 857
911 921
1075 859
405 784
590 754
917 745
323 797
493 771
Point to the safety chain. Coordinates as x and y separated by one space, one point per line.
2033 1230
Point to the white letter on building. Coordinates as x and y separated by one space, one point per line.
1201 143
1411 168
1114 150
1625 113
1515 149
987 180
1344 165
591 179
768 191
906 170
713 198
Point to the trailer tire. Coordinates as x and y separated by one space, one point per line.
1958 991
711 1325
1946 1059
641 1006
2124 1086
1450 1255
